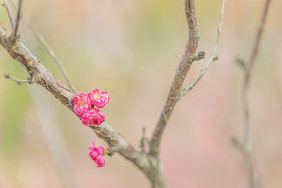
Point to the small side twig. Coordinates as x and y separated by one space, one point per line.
143 140
213 56
19 82
51 53
9 12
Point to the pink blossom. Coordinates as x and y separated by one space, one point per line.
96 155
99 99
81 103
92 117
100 161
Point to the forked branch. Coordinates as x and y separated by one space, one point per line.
147 162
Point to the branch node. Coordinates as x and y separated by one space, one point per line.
113 149
199 56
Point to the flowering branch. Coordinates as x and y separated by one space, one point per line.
149 162
247 68
39 74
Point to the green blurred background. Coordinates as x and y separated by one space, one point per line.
131 50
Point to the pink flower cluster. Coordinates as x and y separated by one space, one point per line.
96 154
84 106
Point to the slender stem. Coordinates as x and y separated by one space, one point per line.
51 53
213 56
9 12
248 132
15 31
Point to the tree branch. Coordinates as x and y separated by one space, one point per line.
181 72
247 145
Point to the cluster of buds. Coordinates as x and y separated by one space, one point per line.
97 154
86 106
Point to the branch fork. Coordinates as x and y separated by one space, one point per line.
147 162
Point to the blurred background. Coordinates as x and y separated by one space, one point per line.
131 50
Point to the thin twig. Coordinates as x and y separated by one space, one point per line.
143 140
49 50
213 56
181 72
15 31
51 53
10 14
19 82
248 133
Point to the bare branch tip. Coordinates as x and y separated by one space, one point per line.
201 55
29 80
241 64
215 58
143 140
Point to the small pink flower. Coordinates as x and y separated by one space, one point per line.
81 103
92 117
99 99
96 155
